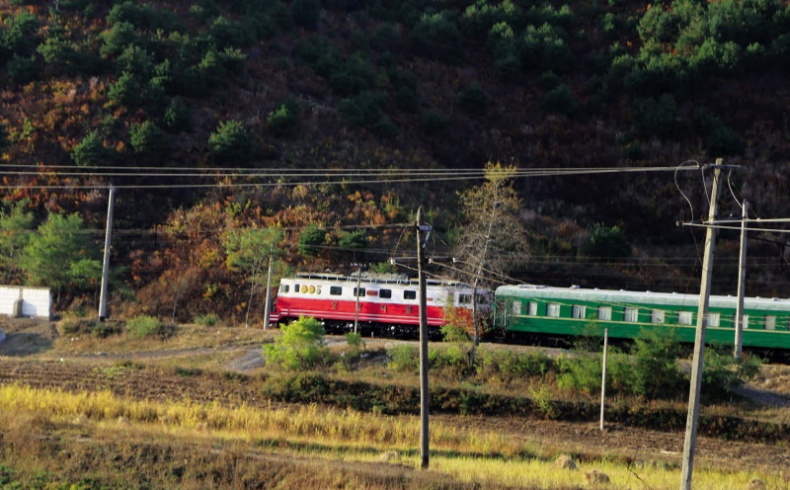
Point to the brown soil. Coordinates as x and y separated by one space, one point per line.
19 363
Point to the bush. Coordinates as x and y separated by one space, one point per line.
232 144
306 13
474 100
145 326
91 152
451 333
722 372
404 357
433 123
284 120
207 320
437 37
607 243
301 346
560 100
147 139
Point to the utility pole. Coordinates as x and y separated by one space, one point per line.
424 394
105 269
738 350
356 306
268 307
699 339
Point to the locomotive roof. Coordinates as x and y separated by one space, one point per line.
638 297
377 279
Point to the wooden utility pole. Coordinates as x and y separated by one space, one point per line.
738 350
105 269
424 394
699 339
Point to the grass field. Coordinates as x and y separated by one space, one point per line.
88 413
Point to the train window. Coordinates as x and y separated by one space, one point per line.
464 299
515 308
359 291
657 316
579 311
770 322
409 294
604 312
296 288
385 293
714 319
553 310
631 314
285 288
684 317
532 308
335 290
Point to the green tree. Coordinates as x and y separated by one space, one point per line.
283 120
301 346
311 240
607 242
436 36
91 152
60 255
16 227
148 140
306 13
248 251
231 144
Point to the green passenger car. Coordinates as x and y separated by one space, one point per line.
579 311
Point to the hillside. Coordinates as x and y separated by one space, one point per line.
168 100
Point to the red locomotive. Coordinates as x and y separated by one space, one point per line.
376 304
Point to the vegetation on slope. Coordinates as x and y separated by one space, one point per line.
120 92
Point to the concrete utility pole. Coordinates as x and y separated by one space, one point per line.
267 309
699 339
105 269
356 306
738 350
424 394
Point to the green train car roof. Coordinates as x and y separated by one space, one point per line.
526 291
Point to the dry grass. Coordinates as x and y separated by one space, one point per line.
312 432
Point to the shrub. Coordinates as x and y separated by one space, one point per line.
560 100
207 320
607 242
403 357
126 91
311 240
363 110
91 152
306 13
284 120
437 37
147 139
722 372
451 333
433 123
301 345
474 100
231 144
145 326
580 372
176 117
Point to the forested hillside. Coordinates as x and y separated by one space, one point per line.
234 130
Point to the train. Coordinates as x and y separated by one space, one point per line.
387 305
378 304
527 309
